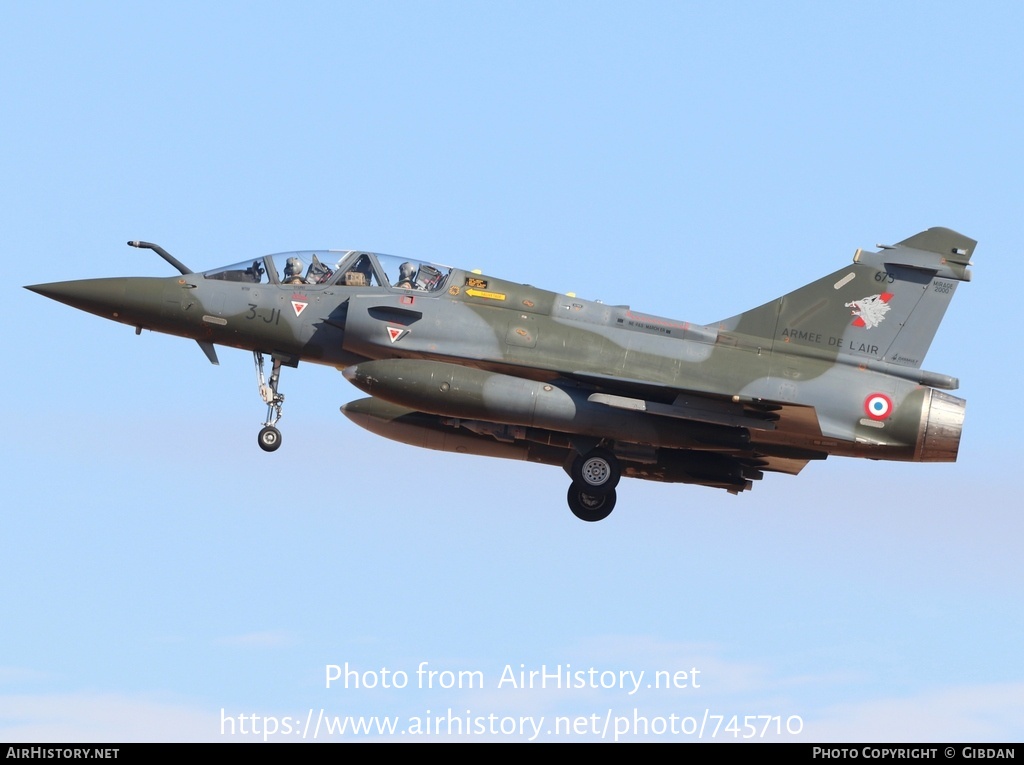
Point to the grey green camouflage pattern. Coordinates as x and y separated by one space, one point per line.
464 362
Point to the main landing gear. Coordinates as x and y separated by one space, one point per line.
594 478
270 437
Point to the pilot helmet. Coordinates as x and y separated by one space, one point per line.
292 268
406 271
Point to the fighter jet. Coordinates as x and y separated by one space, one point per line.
464 362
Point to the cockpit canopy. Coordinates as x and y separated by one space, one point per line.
349 268
412 274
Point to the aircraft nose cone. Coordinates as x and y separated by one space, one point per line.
103 297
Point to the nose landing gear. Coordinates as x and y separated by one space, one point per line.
269 438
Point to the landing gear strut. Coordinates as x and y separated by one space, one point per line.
594 478
270 437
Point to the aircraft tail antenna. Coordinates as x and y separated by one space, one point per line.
163 254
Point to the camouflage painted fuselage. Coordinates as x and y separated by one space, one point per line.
469 363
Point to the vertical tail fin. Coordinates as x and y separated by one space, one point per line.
887 306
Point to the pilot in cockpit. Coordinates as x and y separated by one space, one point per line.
407 276
293 271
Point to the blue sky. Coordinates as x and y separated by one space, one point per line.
691 160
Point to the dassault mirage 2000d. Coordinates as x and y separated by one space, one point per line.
463 362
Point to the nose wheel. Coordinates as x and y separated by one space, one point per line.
269 438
